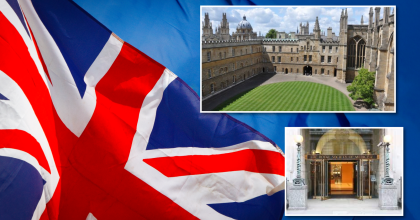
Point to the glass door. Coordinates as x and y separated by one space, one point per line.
316 179
325 179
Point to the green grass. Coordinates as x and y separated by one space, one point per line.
289 96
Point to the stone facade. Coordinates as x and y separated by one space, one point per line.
357 45
226 63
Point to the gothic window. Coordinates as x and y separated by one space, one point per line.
221 71
316 71
291 70
220 55
330 49
304 58
279 48
233 52
208 56
297 50
322 70
226 69
310 58
297 59
291 50
291 58
212 87
279 59
304 47
274 49
328 72
323 49
356 52
233 79
337 60
282 69
301 47
209 73
329 59
272 59
336 49
275 68
322 59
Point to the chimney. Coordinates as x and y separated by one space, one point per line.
329 33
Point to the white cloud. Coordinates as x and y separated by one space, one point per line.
286 18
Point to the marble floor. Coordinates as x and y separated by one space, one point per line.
344 207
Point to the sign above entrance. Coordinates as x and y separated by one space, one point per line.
341 157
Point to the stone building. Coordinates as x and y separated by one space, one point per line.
226 63
341 56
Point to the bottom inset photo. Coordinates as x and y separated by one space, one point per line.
344 171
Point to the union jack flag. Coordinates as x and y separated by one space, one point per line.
92 128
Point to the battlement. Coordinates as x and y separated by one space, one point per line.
230 43
280 41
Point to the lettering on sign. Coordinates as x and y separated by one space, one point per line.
342 157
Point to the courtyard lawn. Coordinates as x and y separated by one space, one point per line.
289 96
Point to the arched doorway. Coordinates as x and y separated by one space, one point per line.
307 70
286 71
263 69
335 72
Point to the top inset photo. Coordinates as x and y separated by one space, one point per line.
318 59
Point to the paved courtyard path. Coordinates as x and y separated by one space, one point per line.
348 207
269 78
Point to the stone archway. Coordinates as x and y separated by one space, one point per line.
307 70
341 142
286 71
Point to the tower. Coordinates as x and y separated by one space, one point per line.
342 48
223 31
207 27
317 30
361 21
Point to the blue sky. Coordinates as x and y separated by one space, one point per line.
286 18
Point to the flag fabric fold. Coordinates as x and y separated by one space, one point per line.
92 128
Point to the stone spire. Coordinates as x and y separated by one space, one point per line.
317 30
316 24
370 18
361 21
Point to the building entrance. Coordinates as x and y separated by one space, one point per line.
307 70
341 176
